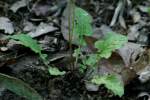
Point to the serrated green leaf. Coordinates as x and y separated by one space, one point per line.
111 82
19 87
111 42
55 71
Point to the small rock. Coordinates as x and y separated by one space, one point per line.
3 49
91 87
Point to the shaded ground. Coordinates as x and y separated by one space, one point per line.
22 63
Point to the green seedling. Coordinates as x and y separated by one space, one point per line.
27 41
110 42
82 27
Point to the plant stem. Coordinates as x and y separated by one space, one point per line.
71 26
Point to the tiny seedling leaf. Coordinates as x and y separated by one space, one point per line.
112 82
55 71
19 87
111 42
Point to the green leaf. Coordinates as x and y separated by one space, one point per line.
27 41
111 42
82 24
82 68
148 10
19 87
55 71
112 82
91 60
77 52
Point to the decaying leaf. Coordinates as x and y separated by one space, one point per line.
19 4
19 87
41 9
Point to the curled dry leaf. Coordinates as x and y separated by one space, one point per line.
143 95
131 53
44 10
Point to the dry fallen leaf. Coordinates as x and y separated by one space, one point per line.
19 4
6 25
42 29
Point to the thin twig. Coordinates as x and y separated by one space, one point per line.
71 27
117 12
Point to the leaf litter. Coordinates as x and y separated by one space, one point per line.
132 57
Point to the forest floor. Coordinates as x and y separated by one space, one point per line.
44 21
